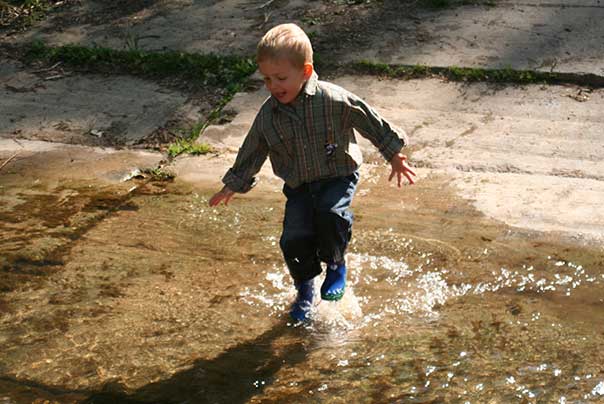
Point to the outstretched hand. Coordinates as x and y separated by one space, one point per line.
400 168
225 194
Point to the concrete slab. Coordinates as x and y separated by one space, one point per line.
528 156
537 35
83 109
534 34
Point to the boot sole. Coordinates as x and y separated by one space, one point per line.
306 319
333 297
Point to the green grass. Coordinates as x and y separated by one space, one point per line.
225 71
440 4
188 146
454 73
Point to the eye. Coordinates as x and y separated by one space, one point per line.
281 78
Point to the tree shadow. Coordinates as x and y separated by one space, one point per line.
233 377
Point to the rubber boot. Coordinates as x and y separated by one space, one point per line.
302 306
335 282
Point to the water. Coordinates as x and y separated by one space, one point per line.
148 295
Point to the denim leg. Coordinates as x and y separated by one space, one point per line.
333 218
298 241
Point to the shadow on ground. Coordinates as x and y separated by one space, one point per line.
234 376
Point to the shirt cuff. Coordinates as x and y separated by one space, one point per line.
392 146
236 183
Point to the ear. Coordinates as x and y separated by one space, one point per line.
308 70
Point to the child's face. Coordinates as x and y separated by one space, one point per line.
283 79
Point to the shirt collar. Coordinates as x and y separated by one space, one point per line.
309 89
311 84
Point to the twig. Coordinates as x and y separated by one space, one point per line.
8 160
48 68
56 76
268 3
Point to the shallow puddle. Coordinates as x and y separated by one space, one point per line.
148 295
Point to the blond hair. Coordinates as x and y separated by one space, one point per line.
285 41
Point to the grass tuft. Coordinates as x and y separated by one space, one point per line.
158 174
188 146
207 69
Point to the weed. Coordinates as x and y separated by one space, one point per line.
21 14
158 174
311 20
188 146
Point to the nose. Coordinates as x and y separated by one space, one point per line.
273 85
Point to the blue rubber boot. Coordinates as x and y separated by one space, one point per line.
335 282
302 306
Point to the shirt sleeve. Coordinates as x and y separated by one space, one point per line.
250 158
380 132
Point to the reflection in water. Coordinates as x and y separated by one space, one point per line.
177 302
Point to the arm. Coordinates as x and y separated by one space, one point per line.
382 135
240 177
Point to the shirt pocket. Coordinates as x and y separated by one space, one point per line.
348 151
281 150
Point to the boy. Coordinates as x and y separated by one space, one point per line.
306 129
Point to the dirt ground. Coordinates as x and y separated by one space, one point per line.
536 34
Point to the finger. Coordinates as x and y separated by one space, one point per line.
391 175
214 201
411 181
399 179
408 168
227 199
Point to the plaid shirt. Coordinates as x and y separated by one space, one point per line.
312 138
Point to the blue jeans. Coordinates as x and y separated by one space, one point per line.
317 225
